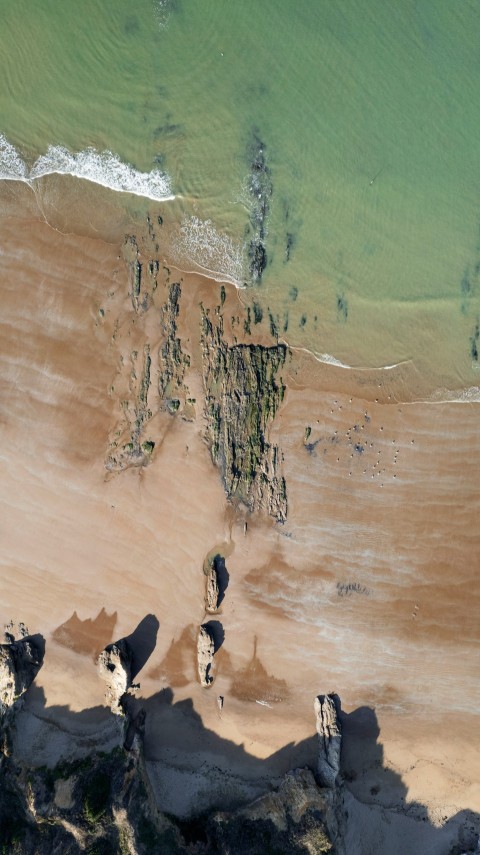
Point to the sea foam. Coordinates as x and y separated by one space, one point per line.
12 166
104 168
214 253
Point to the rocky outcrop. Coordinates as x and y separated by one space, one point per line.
290 820
137 413
173 362
104 804
99 804
20 662
205 654
329 740
115 668
242 395
142 279
212 589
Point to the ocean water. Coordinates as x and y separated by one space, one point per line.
365 116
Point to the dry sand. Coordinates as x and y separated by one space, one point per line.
369 589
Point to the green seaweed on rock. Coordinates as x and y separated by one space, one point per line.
243 394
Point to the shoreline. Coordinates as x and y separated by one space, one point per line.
370 555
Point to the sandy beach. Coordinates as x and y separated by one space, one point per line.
368 589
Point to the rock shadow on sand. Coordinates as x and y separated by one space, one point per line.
142 642
193 770
87 637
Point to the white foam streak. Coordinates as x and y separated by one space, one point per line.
214 253
12 167
103 168
328 359
456 396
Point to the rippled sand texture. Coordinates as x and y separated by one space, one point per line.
368 589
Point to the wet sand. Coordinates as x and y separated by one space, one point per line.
369 588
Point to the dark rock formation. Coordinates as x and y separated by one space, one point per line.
205 654
141 282
243 393
172 361
289 821
260 187
20 662
104 804
329 740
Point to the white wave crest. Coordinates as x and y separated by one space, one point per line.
12 167
199 242
103 168
456 396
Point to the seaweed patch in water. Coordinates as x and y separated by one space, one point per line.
342 307
257 313
474 342
289 244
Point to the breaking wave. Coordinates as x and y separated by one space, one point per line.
103 168
456 396
199 243
11 164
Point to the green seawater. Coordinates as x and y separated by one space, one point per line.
369 117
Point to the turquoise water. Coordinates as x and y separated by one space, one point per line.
368 116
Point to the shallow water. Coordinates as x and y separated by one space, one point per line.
368 120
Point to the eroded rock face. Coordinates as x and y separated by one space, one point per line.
329 740
212 591
20 662
205 654
115 667
290 820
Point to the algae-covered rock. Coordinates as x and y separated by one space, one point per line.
243 393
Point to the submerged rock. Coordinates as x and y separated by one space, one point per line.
205 654
260 187
20 662
329 740
115 667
